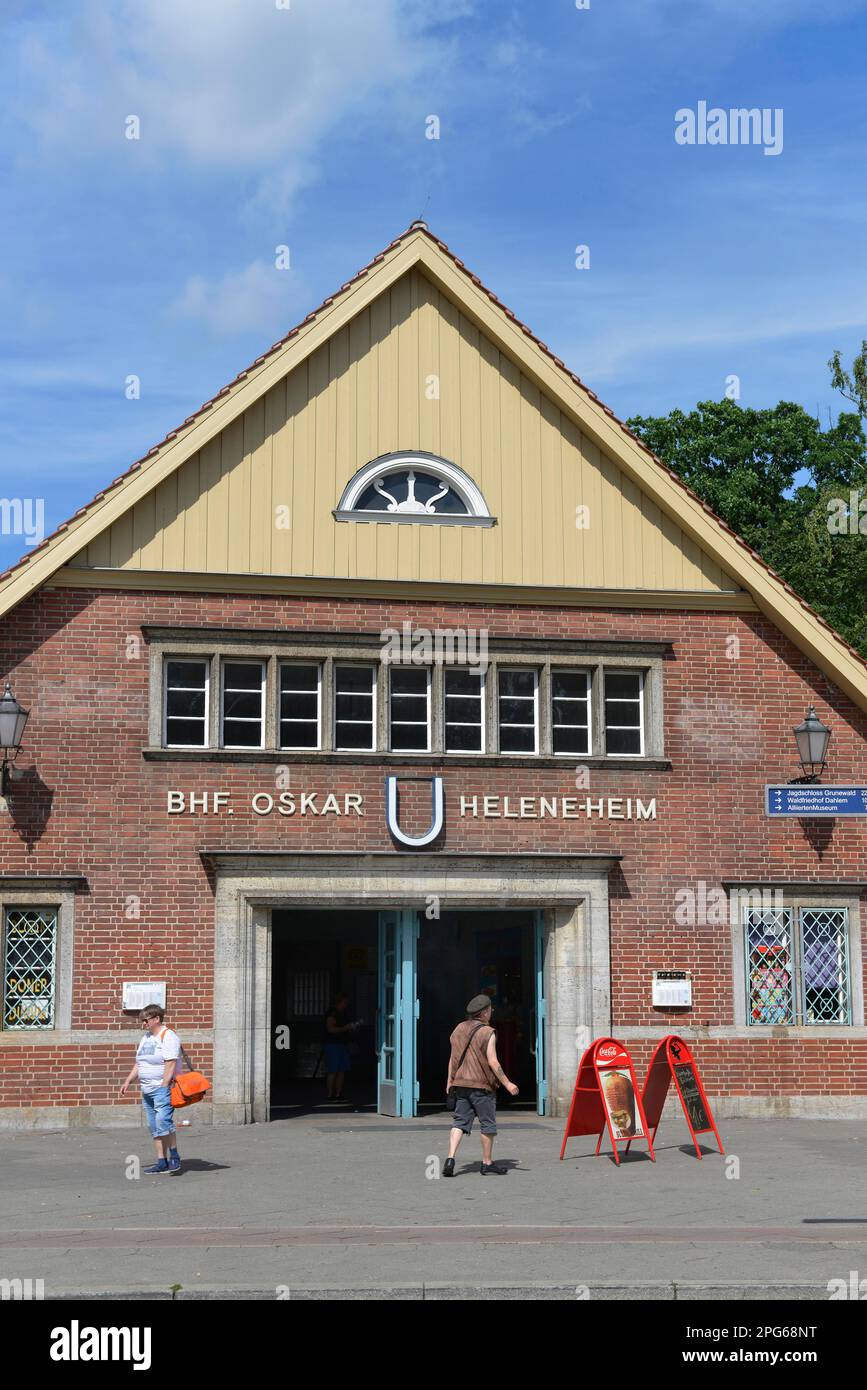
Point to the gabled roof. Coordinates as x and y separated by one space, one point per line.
418 247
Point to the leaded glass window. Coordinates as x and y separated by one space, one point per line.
798 966
825 964
769 967
29 961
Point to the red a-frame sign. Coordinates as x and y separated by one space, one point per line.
673 1060
606 1095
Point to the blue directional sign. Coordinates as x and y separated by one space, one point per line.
814 799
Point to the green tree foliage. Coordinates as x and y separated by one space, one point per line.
852 385
796 493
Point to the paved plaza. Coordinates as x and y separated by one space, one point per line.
343 1205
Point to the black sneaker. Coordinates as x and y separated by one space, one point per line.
493 1168
449 1168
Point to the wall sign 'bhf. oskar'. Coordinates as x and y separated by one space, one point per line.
298 803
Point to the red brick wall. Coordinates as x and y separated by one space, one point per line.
98 809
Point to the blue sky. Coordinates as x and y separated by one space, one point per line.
265 124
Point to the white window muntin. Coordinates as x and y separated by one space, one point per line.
412 695
469 699
440 468
340 666
228 689
638 701
532 700
281 691
186 719
585 700
212 706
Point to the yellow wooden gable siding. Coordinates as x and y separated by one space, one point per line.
371 390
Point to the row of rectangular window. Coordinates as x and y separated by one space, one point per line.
243 701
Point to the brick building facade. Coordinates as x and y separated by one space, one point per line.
174 814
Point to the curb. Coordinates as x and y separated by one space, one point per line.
662 1290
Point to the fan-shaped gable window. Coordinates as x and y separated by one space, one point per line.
413 488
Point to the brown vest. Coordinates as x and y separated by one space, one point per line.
475 1072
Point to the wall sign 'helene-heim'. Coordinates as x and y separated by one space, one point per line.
297 803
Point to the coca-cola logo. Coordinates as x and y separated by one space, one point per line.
609 1052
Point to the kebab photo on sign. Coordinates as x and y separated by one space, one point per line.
620 1103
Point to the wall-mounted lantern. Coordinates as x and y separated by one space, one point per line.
12 721
812 739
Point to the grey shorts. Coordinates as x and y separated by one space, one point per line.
470 1104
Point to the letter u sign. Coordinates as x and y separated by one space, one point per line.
391 811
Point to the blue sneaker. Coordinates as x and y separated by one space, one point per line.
161 1167
174 1161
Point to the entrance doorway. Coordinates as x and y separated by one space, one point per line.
408 980
468 953
315 956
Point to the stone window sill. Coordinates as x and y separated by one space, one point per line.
384 758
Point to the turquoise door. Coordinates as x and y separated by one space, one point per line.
397 1087
540 1012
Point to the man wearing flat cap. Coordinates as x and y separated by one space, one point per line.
474 1075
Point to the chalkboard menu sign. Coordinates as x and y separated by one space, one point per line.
688 1085
672 1058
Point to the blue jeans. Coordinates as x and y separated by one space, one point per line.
159 1111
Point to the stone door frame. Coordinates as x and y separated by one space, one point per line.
572 890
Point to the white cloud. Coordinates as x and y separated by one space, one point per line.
220 85
258 297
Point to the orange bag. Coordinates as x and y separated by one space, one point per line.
190 1086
